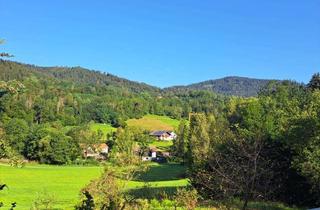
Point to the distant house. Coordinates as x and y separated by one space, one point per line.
97 151
151 155
164 135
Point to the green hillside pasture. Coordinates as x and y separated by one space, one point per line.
154 122
105 128
165 119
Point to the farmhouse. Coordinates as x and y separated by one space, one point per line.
156 155
97 151
164 135
151 154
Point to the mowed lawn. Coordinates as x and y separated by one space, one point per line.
154 122
65 182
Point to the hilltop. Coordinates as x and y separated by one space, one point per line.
233 85
14 70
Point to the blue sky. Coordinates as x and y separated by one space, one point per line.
167 42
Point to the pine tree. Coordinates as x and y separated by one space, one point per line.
314 83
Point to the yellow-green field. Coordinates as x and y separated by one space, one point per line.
154 122
64 183
105 128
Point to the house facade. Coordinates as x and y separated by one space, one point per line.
97 151
164 135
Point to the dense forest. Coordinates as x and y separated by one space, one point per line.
232 86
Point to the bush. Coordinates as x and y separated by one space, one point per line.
187 198
86 162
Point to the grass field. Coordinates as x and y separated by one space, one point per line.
162 145
105 128
154 122
65 182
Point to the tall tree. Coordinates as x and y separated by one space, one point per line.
181 142
198 140
314 82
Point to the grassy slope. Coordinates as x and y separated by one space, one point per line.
154 122
105 128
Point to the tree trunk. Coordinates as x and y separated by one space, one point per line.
244 207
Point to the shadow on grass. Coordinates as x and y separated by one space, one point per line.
163 172
236 203
153 192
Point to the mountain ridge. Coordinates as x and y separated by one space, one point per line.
230 85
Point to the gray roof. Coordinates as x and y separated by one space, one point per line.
159 133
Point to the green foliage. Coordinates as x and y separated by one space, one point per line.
269 147
180 144
17 131
56 148
198 141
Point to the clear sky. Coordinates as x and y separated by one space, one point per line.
167 42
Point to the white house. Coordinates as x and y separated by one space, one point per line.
152 155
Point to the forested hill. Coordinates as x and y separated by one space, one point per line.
237 86
13 70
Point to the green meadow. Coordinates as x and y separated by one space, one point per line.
105 128
64 183
27 184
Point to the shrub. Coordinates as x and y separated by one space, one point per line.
187 198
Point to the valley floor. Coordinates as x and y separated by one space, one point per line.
63 183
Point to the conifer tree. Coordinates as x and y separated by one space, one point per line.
314 83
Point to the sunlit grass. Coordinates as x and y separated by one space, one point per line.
63 182
154 122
